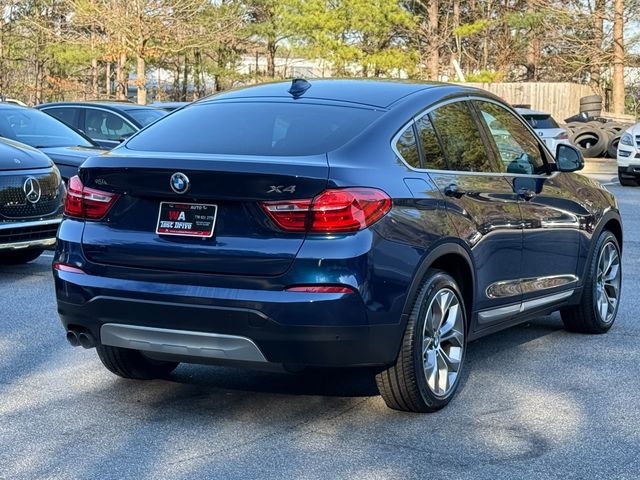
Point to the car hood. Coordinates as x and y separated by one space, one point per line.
18 156
71 155
634 130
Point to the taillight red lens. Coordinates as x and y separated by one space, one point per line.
87 203
332 211
562 136
320 289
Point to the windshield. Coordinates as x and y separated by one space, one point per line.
252 128
37 129
146 116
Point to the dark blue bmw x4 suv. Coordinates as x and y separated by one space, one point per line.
333 224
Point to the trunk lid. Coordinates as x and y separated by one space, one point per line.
244 240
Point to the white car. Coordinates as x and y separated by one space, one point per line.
546 127
629 157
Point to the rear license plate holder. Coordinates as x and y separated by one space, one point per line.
186 219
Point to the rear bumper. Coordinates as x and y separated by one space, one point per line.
209 323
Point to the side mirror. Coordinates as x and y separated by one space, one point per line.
124 137
569 158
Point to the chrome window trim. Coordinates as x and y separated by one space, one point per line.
467 98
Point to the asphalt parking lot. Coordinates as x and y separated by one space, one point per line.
536 402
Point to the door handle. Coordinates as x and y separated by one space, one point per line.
526 194
452 190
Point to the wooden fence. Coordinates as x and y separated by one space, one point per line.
561 100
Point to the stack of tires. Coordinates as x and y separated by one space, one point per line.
591 105
596 137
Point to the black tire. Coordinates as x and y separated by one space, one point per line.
613 128
627 182
403 386
591 141
133 364
584 317
20 257
591 99
612 146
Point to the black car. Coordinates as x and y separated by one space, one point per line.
67 147
106 123
333 224
31 202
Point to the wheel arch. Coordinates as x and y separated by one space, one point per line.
610 221
453 258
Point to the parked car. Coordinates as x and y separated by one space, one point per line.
546 127
106 123
628 157
169 106
333 224
67 147
31 202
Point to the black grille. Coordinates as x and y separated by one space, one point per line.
638 140
25 234
13 199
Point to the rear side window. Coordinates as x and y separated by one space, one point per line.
461 139
103 125
408 147
66 115
433 156
252 128
540 121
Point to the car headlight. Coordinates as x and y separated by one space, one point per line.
627 139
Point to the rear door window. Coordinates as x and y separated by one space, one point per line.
103 125
255 128
67 115
431 151
461 139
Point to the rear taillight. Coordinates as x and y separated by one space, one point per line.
332 211
562 136
87 203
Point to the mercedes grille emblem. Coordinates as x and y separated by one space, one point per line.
32 190
179 182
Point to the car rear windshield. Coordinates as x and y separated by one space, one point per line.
541 121
255 128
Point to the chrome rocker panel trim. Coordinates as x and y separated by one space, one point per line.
502 313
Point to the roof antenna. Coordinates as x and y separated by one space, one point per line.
298 87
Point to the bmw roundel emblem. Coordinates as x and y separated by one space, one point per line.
180 182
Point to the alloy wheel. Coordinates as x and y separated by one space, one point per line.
608 282
443 342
